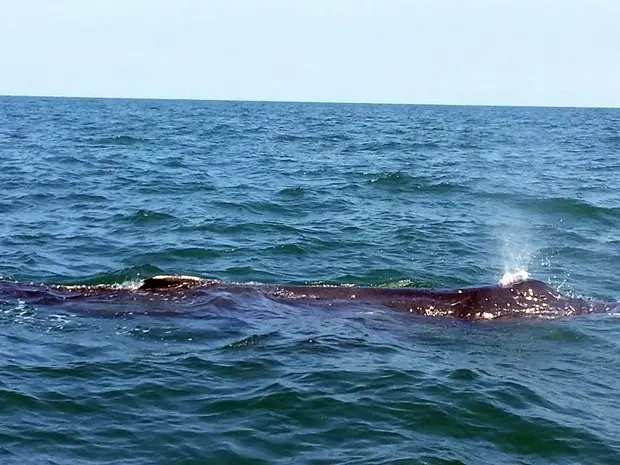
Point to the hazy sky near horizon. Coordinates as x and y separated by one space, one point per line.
502 52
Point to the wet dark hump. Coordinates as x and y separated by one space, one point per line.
536 298
171 282
521 299
524 298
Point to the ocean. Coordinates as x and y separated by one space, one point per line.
111 191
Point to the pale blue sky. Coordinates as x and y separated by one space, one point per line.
511 52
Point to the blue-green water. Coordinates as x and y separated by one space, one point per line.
113 191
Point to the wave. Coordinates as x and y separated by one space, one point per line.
174 255
380 277
148 216
399 180
119 140
293 192
296 138
391 146
578 209
291 248
254 206
253 340
410 395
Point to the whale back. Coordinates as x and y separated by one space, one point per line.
527 298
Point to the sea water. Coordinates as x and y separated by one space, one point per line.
98 191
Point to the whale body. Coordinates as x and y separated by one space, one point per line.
525 298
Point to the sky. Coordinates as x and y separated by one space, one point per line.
477 52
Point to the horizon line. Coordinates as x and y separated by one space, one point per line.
319 102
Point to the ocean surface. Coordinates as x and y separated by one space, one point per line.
96 191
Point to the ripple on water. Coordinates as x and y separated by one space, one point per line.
122 140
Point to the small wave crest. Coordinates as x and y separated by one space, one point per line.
399 180
120 140
148 216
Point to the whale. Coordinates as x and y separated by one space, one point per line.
521 299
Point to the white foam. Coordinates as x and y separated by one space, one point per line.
130 284
513 277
